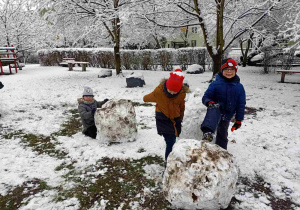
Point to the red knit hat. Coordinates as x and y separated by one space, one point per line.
229 63
174 83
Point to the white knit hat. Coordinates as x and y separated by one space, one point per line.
87 91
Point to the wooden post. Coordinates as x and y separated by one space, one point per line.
83 67
282 76
9 68
1 67
16 66
70 66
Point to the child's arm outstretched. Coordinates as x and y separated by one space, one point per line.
150 97
100 103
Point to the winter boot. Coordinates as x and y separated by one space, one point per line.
208 136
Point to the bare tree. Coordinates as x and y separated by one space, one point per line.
222 22
106 14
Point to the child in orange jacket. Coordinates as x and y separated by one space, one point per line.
169 97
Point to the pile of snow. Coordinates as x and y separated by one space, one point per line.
135 80
193 116
116 121
195 69
258 57
105 73
199 175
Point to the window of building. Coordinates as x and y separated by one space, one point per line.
194 30
193 43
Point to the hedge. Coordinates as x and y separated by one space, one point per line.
130 59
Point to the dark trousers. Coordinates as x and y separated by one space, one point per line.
222 134
91 132
213 122
170 141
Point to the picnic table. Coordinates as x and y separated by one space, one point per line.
8 56
283 72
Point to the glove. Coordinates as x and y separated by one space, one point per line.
1 85
212 105
236 125
94 110
105 100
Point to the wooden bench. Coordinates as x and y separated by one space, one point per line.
68 59
8 56
71 63
64 62
283 72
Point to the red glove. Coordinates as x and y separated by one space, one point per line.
236 125
212 105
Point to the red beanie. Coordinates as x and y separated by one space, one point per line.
229 63
174 83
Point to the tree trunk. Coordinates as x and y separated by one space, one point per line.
245 54
217 63
117 59
158 46
117 45
117 34
6 34
217 58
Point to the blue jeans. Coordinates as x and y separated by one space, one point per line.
170 141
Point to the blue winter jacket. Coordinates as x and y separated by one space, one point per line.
230 94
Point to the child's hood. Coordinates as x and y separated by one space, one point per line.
80 100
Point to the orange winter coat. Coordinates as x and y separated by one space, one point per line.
169 109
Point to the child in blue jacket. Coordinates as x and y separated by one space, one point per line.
225 97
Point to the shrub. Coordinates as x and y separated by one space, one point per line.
164 59
147 61
130 59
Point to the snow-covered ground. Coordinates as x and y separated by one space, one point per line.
35 100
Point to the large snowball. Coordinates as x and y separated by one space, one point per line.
199 175
193 116
116 121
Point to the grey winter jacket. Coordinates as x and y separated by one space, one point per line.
85 111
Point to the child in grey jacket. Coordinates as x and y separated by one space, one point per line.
87 106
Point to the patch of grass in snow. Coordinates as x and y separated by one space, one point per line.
39 143
65 165
141 150
47 144
120 181
42 145
252 111
259 188
10 135
71 126
144 126
18 196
